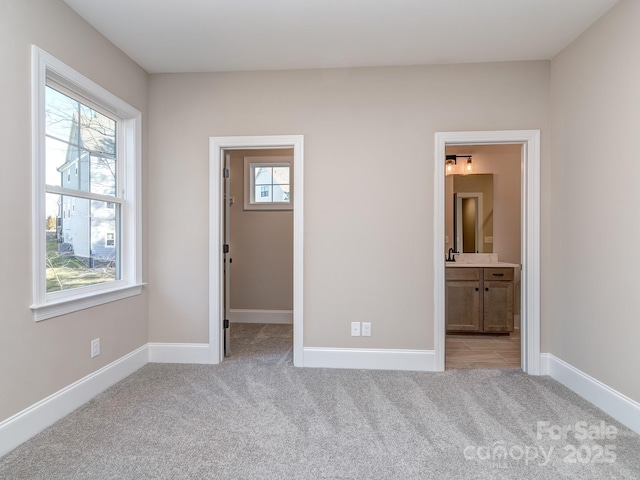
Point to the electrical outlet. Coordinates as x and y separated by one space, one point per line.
355 329
446 239
366 329
488 239
95 347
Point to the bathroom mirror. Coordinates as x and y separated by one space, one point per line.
470 222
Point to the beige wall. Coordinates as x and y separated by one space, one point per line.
37 359
261 245
369 142
593 268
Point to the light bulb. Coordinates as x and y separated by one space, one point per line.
450 166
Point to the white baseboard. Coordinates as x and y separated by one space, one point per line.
544 363
612 402
22 426
179 353
261 316
367 358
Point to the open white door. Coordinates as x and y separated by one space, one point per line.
226 257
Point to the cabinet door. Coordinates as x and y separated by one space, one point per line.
462 306
498 306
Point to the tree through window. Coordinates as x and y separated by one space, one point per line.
81 168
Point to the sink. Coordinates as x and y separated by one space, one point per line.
479 258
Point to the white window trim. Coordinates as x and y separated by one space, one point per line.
249 187
51 305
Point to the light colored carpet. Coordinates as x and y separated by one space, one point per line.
257 417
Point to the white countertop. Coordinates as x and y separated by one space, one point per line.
482 265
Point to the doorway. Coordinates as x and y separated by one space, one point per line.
258 252
530 235
483 225
219 146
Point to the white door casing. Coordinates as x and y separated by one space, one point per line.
530 237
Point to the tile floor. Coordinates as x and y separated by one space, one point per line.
483 351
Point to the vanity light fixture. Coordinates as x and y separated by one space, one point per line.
451 164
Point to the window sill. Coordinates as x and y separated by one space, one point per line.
67 305
268 206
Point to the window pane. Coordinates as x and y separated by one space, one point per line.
62 159
281 175
281 193
80 146
82 242
263 175
97 132
263 193
102 175
61 113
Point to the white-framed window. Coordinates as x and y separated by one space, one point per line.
268 183
81 126
110 240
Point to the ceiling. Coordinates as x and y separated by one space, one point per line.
234 35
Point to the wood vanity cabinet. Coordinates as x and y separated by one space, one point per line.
479 299
462 299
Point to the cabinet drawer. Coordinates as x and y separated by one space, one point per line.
462 273
498 274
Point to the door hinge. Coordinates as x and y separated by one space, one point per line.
225 248
225 172
225 323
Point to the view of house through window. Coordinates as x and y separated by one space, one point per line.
271 183
82 206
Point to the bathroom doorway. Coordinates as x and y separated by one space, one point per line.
483 223
529 181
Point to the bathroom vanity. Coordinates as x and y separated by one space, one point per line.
479 296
